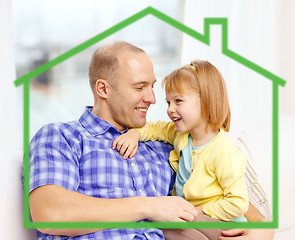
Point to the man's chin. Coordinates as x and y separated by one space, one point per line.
139 124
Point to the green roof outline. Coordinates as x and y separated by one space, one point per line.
204 38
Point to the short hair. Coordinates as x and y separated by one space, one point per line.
104 63
206 80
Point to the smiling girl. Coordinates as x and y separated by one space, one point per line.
210 169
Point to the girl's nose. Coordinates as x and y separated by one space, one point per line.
170 109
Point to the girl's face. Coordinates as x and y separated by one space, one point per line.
185 111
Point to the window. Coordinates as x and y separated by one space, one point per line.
45 29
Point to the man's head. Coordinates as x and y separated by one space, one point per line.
105 64
121 78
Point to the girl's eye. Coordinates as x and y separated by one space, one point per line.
168 102
178 100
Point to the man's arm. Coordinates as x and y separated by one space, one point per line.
54 203
252 215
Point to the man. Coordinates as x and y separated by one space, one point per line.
75 175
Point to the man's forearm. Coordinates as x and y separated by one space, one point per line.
56 204
52 203
253 215
69 232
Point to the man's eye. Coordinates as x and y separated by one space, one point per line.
139 88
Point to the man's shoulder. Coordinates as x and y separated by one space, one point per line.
63 126
64 129
158 146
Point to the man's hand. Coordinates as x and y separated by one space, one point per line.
247 234
170 209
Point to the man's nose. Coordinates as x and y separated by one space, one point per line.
150 96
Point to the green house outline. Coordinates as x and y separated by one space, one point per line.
204 38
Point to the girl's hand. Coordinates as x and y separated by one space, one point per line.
127 143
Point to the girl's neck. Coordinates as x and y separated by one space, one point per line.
200 136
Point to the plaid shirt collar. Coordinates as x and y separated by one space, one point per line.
93 124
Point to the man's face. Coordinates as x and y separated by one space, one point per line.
132 94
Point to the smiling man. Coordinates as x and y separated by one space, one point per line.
124 100
75 175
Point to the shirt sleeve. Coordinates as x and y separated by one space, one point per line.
159 131
229 170
53 159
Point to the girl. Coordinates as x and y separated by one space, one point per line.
210 169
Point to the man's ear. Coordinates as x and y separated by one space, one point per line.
102 88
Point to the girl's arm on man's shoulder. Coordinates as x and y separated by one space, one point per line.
127 143
159 131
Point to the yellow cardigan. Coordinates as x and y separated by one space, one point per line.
217 175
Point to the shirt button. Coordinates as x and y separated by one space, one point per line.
132 164
193 153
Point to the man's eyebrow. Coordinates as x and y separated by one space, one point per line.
143 83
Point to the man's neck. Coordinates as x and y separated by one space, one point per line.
106 117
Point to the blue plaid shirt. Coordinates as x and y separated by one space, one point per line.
78 156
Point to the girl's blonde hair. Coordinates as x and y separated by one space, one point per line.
206 80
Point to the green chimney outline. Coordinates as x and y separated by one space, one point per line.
204 38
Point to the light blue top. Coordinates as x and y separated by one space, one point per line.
184 167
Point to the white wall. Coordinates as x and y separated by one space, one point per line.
285 52
260 31
9 140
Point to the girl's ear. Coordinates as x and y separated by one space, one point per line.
102 87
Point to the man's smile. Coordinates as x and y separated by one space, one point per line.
141 109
